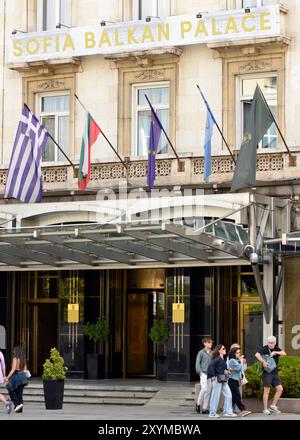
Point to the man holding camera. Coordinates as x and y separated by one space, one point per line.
270 378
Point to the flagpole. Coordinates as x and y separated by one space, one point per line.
279 131
107 140
220 131
75 170
168 139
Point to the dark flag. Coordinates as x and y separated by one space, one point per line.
155 132
257 124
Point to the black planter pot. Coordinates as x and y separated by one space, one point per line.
54 393
162 368
95 366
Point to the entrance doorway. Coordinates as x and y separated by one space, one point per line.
139 322
251 328
43 333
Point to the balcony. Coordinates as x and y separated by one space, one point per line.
271 167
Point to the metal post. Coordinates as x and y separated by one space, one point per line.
252 225
268 282
12 294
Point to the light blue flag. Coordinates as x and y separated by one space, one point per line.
207 145
210 121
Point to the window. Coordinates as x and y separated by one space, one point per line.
54 115
159 98
268 85
152 8
52 12
255 3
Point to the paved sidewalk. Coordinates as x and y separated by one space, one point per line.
34 411
167 404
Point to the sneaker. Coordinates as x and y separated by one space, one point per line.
245 413
205 411
214 416
274 409
19 408
266 412
197 408
9 407
229 415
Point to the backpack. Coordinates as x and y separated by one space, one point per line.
271 363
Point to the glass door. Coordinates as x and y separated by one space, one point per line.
250 328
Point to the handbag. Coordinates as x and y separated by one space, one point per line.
27 374
222 378
271 363
243 381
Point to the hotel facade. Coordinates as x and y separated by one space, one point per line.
208 261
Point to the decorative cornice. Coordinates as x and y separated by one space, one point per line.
255 65
149 75
51 84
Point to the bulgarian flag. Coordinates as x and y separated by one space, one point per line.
90 134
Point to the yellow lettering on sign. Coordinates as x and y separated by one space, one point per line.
104 39
163 32
185 26
17 48
130 38
231 25
214 27
36 46
244 24
57 43
264 21
46 43
68 43
89 38
201 28
147 35
117 41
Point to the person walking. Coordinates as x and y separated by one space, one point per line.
17 379
202 362
217 371
270 378
237 366
7 403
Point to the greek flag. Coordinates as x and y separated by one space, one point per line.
24 175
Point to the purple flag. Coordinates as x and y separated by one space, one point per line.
155 132
24 175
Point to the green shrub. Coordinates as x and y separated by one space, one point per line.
99 331
159 331
289 373
54 367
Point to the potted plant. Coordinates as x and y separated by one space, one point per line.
54 374
96 332
159 333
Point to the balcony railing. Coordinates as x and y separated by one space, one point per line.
270 167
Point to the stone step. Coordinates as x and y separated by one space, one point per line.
93 393
91 400
39 385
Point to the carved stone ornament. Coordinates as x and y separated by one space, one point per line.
149 75
255 65
50 84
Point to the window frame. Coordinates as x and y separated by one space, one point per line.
137 108
41 114
42 15
240 108
136 9
259 4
